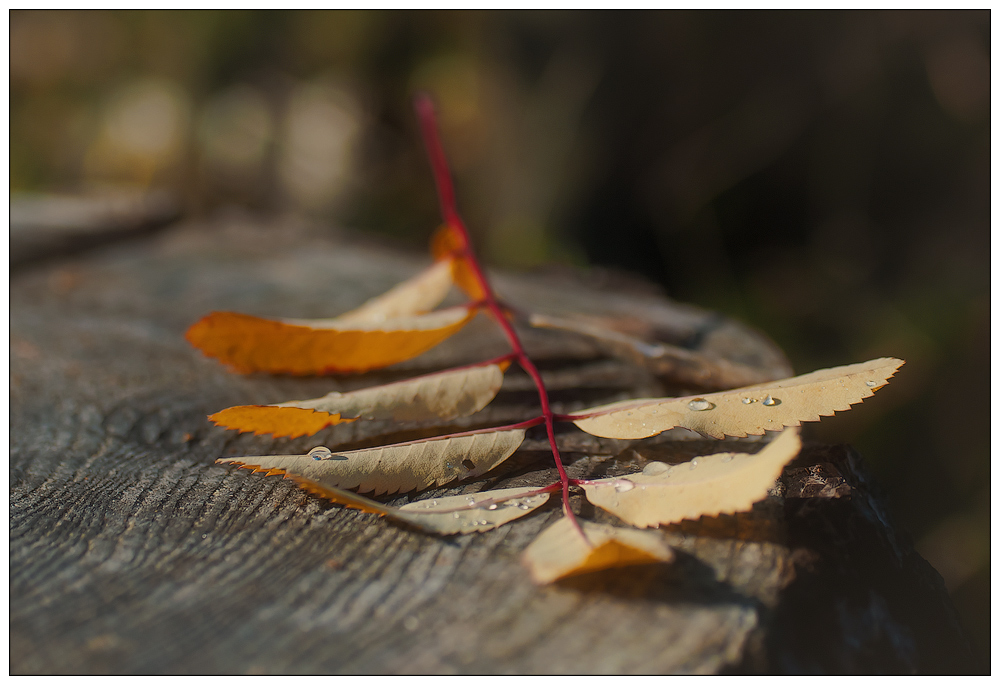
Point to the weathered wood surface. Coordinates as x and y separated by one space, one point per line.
132 552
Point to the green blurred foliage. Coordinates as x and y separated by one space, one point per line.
822 175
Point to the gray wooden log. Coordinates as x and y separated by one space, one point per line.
132 552
45 227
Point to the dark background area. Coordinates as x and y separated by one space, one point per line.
824 176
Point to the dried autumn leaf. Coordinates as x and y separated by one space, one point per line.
750 410
560 551
395 468
447 243
676 363
418 295
445 395
311 346
474 513
706 486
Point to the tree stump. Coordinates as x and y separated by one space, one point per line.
131 551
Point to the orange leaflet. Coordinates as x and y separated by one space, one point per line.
248 343
292 422
447 243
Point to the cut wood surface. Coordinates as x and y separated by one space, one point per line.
132 551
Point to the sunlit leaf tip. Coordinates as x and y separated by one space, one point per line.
560 551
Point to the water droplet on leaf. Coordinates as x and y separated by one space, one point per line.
655 468
748 400
318 453
623 485
700 405
771 401
694 464
871 384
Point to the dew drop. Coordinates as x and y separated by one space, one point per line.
694 464
470 499
432 503
700 405
318 453
455 515
748 400
871 384
524 505
655 468
771 401
623 485
482 522
492 507
727 457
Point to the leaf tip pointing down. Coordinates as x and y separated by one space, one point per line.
560 551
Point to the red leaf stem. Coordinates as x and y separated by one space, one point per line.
449 211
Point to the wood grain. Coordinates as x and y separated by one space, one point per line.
132 552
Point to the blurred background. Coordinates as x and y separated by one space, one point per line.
824 176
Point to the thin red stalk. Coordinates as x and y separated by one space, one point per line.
449 211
